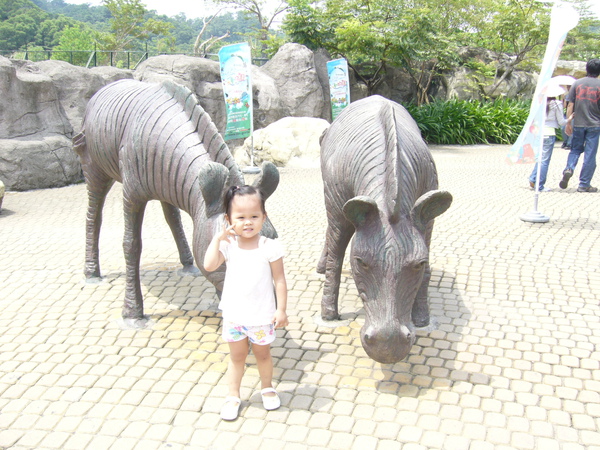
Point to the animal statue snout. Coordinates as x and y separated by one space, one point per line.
387 344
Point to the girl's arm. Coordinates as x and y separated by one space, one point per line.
213 258
280 319
558 113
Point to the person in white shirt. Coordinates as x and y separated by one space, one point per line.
554 119
254 297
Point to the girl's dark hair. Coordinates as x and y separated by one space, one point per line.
235 191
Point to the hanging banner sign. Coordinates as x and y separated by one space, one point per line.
235 62
563 18
339 86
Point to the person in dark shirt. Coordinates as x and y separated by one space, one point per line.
584 102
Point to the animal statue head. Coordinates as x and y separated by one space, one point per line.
213 179
389 257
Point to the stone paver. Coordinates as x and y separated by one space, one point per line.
511 363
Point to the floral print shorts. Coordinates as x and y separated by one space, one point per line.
259 334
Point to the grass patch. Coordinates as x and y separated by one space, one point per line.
469 122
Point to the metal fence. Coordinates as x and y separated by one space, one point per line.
125 59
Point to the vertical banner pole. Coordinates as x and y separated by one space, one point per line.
235 62
339 86
563 18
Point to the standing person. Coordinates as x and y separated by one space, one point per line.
566 137
254 276
554 119
584 101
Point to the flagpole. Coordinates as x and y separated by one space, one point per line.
563 19
535 216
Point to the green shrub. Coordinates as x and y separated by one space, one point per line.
468 122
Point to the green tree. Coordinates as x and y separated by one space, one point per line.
376 34
129 25
75 45
24 25
516 27
265 13
582 42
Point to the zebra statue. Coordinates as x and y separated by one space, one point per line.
160 144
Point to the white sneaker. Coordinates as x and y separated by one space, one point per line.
545 189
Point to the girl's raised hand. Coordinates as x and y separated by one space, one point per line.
227 233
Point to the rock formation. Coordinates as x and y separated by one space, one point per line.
295 75
35 132
291 141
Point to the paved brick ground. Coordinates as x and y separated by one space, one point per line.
513 361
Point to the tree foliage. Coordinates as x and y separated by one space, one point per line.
23 24
376 34
75 45
264 13
423 37
129 25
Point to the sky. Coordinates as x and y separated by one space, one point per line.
200 8
192 8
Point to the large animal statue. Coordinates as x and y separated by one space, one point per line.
380 185
159 142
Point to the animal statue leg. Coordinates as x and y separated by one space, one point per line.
420 309
173 218
133 307
336 244
98 188
322 264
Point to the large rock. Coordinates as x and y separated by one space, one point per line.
110 74
48 161
30 102
574 68
290 142
35 132
203 77
294 72
321 58
2 190
75 86
474 79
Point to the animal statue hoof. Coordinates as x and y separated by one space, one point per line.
421 323
135 324
189 270
93 279
329 314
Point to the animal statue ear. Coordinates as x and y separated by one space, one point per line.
428 206
360 210
213 180
268 180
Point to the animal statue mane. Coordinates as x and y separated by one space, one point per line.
207 131
392 184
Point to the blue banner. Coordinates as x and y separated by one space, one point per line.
235 62
339 86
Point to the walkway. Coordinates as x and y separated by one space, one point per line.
512 364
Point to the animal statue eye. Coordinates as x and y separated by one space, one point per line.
421 264
361 263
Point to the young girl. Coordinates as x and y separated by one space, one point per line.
254 265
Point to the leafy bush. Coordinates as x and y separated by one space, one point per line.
468 122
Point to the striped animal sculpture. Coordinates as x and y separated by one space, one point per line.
161 145
380 185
